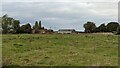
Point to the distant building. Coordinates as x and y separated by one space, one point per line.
66 31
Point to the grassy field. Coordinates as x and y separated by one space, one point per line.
60 50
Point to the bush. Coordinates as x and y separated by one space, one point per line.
118 29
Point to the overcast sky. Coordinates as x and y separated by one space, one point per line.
62 14
61 1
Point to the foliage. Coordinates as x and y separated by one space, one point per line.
25 28
118 29
102 28
16 26
37 25
89 27
112 26
6 22
10 25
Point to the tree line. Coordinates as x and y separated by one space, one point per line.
11 25
113 27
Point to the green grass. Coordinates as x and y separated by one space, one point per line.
60 50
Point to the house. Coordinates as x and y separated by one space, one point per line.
66 31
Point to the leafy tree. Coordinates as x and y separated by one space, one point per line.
118 29
10 25
102 28
112 26
33 27
6 24
97 29
26 28
36 24
40 24
16 26
89 27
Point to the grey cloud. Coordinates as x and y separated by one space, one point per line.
61 14
61 0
